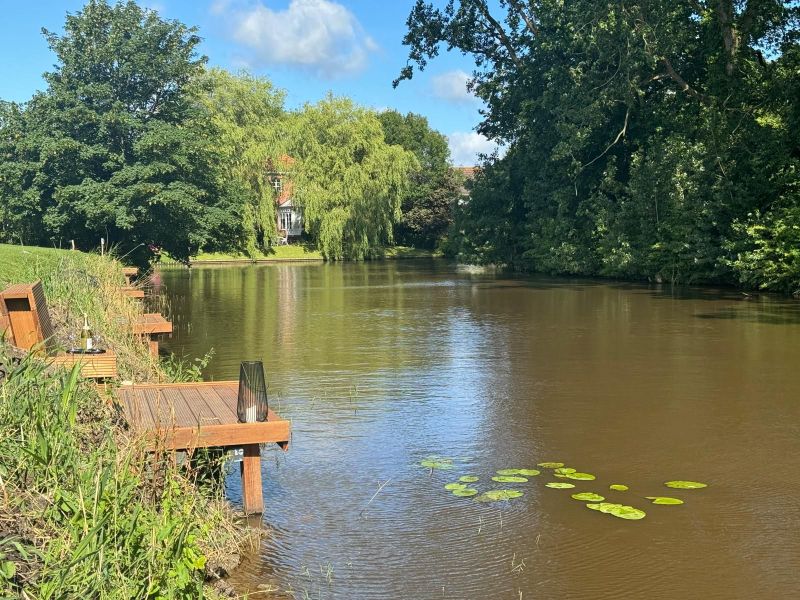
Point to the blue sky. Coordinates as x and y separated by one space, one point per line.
307 47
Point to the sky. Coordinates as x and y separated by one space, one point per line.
307 47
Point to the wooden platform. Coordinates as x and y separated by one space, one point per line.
131 292
93 366
179 416
152 324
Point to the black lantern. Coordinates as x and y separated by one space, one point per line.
252 403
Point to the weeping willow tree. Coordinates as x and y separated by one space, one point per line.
348 180
246 118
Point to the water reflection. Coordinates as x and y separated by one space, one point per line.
379 365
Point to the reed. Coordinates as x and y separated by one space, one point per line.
85 512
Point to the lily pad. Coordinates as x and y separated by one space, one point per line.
434 462
618 510
565 470
509 479
588 497
557 485
550 465
581 476
455 486
469 478
508 472
498 495
465 493
529 472
618 487
664 500
686 485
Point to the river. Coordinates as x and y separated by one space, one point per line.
382 365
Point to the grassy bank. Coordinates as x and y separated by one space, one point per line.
84 511
295 252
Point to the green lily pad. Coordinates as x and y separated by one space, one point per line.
557 485
664 500
550 465
686 485
455 486
529 472
469 478
559 475
498 495
588 497
509 479
508 472
565 470
465 493
618 510
581 476
434 462
618 487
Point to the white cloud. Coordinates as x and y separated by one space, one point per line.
452 86
320 36
465 146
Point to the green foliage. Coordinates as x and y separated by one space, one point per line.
115 147
247 122
434 189
656 140
90 523
348 180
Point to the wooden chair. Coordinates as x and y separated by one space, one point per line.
27 325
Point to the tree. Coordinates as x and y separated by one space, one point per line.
115 146
644 136
348 180
247 121
434 189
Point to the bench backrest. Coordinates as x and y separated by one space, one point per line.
24 314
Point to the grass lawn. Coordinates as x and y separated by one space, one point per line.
27 263
303 252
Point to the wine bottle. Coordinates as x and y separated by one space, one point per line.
87 341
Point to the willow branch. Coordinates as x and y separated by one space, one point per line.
685 87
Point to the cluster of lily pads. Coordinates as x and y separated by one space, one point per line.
463 487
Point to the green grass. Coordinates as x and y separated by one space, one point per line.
302 252
26 263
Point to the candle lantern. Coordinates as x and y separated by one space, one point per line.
252 402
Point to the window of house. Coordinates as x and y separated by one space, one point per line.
286 220
277 184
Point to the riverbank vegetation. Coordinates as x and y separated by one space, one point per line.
649 140
84 511
135 140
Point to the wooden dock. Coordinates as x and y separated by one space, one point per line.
184 416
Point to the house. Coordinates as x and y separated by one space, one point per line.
290 217
468 174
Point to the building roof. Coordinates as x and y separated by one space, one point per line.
468 172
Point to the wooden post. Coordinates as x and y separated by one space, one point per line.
252 494
153 344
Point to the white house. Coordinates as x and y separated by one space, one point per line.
290 217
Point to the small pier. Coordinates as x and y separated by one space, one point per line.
184 416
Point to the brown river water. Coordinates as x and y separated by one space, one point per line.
381 365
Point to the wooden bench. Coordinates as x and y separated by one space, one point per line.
23 312
152 325
185 416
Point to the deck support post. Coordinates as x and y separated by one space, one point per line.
252 492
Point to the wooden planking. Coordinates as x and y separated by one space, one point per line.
93 366
252 490
194 415
130 271
24 308
151 324
131 292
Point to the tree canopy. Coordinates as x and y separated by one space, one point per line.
348 180
651 139
113 148
427 207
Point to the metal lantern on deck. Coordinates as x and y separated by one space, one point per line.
252 402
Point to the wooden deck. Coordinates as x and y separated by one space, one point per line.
93 366
131 292
178 416
152 324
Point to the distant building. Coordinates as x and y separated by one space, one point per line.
469 174
290 217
